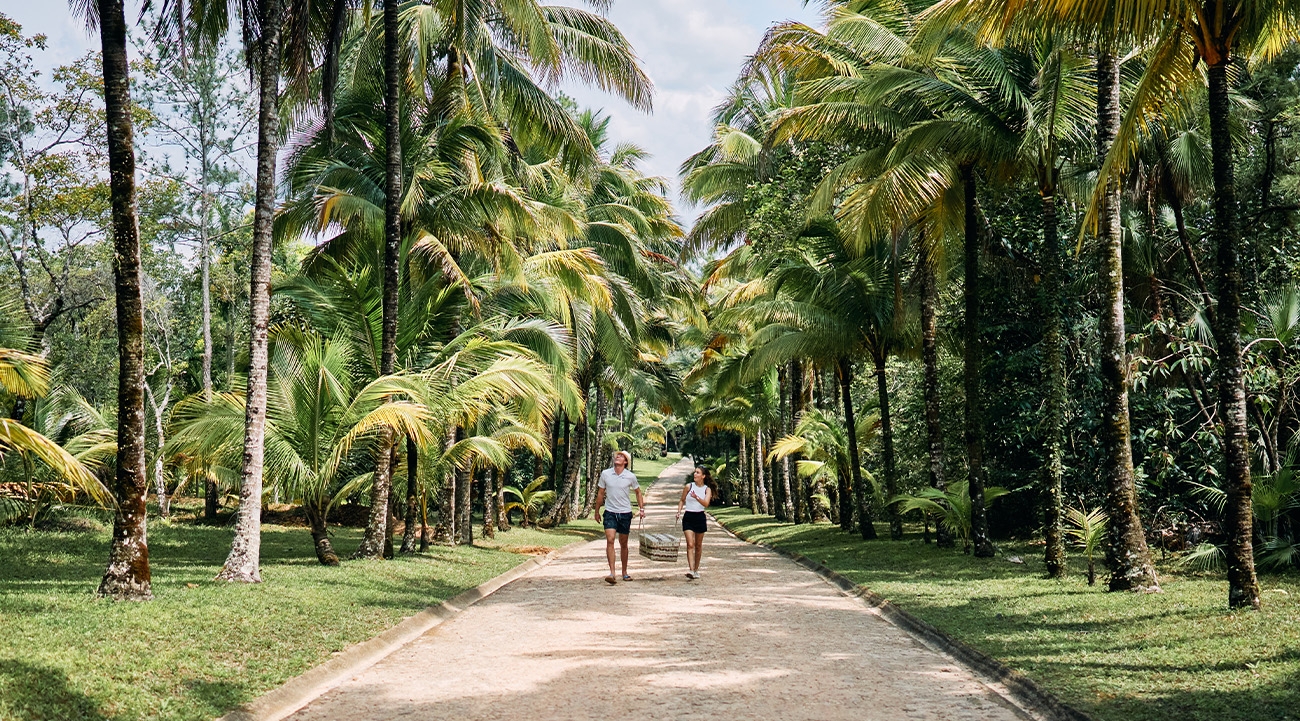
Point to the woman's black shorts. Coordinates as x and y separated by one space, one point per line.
695 521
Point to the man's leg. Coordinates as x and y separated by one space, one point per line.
609 549
622 543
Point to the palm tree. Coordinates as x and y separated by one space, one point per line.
1127 553
929 116
127 576
67 435
317 417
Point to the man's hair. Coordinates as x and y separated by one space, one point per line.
627 457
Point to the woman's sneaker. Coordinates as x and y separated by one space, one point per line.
693 574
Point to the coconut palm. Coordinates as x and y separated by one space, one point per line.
317 418
951 506
127 576
929 119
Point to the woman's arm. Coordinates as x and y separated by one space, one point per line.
681 502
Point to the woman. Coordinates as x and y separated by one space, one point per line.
696 497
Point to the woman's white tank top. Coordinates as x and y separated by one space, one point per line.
701 491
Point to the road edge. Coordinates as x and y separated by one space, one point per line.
1032 697
287 698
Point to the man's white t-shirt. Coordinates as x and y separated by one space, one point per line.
618 489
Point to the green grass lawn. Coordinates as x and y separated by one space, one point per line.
202 647
1176 656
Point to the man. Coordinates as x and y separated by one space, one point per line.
615 494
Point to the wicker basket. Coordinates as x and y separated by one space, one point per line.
658 546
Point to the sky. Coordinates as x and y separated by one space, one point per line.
692 50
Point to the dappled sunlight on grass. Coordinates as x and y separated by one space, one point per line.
202 647
1173 656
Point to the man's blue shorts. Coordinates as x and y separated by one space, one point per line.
620 522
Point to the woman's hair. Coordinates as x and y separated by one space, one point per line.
708 479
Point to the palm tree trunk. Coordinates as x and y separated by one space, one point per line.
499 501
489 505
444 533
464 498
561 512
799 498
760 475
412 495
242 564
974 360
377 537
320 537
1243 588
1127 554
858 493
930 386
127 576
887 447
1055 391
742 463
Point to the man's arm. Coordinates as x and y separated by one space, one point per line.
640 500
600 501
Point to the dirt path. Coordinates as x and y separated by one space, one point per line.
759 637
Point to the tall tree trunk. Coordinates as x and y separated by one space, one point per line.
378 536
320 537
127 576
742 463
861 495
242 565
887 447
929 278
210 499
1127 554
444 533
800 505
412 495
561 512
760 475
974 360
1243 588
489 504
499 501
464 499
1055 390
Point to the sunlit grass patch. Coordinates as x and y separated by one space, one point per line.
1175 656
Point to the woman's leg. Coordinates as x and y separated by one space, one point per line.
691 556
699 548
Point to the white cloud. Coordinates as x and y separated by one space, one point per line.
693 50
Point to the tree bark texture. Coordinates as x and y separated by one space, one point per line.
320 537
464 499
1054 393
887 447
412 496
1127 554
444 533
799 505
242 564
974 361
562 511
489 504
929 281
760 475
127 576
377 534
742 464
860 493
1243 588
